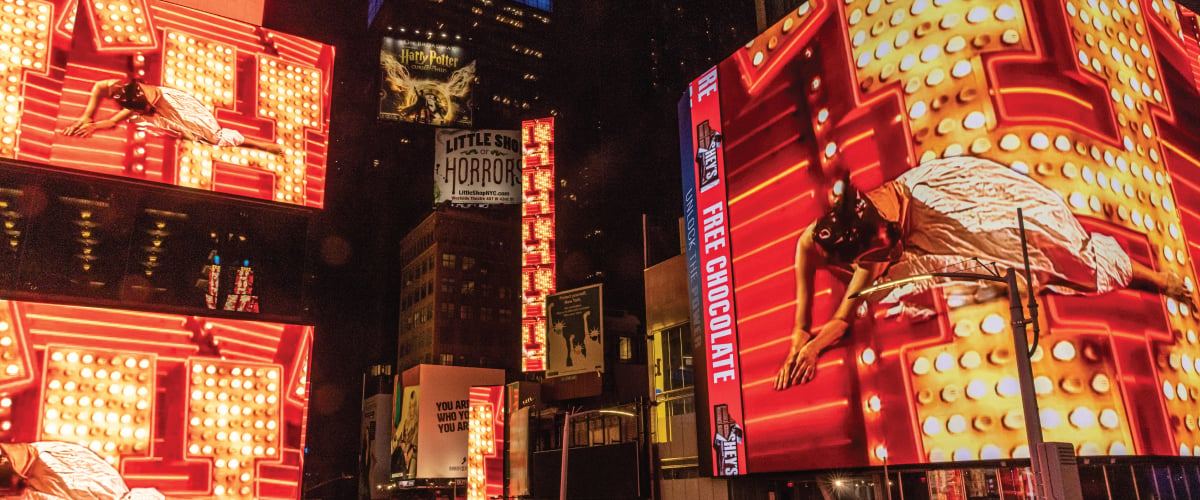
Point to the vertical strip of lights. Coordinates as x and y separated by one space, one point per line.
485 442
537 238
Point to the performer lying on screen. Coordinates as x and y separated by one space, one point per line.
936 216
169 109
51 470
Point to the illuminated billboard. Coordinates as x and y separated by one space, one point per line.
477 167
156 91
866 142
188 405
575 339
537 238
431 433
427 83
485 445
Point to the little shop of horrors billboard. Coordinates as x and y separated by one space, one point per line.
477 167
865 141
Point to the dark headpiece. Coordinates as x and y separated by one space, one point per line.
853 227
131 96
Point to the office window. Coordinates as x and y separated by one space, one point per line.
626 345
448 260
446 359
468 263
676 348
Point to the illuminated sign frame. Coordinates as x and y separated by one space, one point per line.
485 443
188 405
537 237
233 88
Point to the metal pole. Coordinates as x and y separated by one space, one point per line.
887 480
566 445
1033 421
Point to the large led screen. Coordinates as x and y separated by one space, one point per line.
187 405
858 142
156 91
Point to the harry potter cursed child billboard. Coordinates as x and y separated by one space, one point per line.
426 83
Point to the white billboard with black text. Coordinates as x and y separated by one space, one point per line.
477 167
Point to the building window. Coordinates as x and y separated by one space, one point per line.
468 287
626 345
468 263
485 313
675 365
446 359
448 260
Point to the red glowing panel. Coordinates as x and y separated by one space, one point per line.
188 405
99 399
537 233
228 106
485 443
121 25
1078 112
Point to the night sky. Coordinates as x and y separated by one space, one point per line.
617 148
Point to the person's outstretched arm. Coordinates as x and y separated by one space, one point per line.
84 126
808 257
800 365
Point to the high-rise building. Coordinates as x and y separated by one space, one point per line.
460 289
507 39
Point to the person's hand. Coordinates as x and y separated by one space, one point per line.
1174 286
798 367
81 128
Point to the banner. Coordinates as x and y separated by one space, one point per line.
376 450
477 167
575 342
426 83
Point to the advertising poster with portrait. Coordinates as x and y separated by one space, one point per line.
575 340
477 167
98 401
430 436
865 142
405 418
426 83
159 92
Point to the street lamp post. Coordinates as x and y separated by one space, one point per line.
566 442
